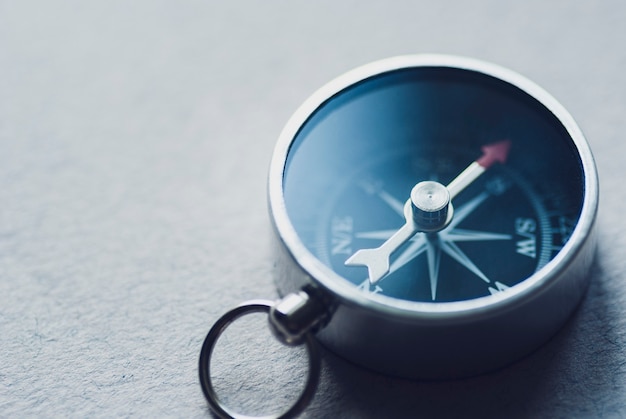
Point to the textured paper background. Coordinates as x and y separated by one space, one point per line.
135 139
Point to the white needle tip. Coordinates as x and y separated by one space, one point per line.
377 263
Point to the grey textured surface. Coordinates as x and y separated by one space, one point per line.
135 139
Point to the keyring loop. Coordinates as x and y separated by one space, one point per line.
255 306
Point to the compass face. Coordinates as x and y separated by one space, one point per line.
352 165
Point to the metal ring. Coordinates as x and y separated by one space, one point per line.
218 328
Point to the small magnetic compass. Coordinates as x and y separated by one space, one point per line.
433 218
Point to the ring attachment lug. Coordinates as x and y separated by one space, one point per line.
297 314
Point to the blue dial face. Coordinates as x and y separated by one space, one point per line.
514 177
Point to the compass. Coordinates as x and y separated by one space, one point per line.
479 290
433 217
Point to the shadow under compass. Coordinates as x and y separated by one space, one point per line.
576 371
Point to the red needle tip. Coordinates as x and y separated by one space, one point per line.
495 152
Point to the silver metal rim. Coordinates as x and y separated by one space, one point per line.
453 311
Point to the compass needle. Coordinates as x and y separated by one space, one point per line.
377 260
429 210
377 263
492 153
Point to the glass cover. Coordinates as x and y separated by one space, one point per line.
354 162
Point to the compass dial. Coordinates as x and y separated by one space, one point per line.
354 162
462 261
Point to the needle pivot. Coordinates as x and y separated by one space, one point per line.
430 202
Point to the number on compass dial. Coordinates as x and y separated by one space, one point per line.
501 231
